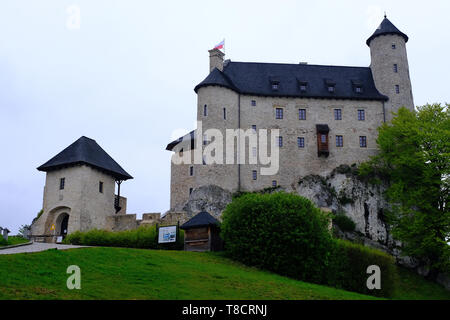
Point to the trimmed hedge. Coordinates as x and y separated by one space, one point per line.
280 232
348 268
142 237
289 235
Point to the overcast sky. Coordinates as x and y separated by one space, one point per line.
125 74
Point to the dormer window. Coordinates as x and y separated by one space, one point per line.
357 86
331 85
274 83
303 85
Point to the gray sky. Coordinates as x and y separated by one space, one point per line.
125 77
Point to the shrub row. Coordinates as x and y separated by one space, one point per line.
142 237
348 268
289 235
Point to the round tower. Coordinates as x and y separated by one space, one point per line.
389 65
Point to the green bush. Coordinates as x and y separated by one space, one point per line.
287 234
281 232
3 242
142 237
344 223
348 268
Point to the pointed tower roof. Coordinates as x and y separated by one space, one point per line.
386 27
86 151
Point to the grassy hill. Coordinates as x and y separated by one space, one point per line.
119 273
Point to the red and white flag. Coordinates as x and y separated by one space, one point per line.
220 45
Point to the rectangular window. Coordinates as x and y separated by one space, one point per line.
393 46
224 114
205 110
280 141
279 113
301 142
274 183
301 114
205 139
337 114
254 175
395 68
254 152
191 170
190 191
303 87
361 115
397 89
339 141
100 187
363 141
254 127
62 182
330 88
274 86
323 138
253 103
204 160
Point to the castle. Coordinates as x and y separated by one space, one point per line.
326 116
323 116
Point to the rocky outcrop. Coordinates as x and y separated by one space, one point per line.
210 198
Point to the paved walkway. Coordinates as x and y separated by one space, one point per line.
38 246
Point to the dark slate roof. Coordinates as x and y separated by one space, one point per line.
86 151
254 78
386 27
202 219
188 137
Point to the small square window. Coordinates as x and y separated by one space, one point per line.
274 86
395 68
100 187
393 46
361 115
274 183
397 89
358 89
339 141
363 141
191 170
330 88
205 110
62 183
301 114
301 142
254 175
280 141
253 103
279 113
337 114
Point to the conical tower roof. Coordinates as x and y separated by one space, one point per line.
386 27
86 151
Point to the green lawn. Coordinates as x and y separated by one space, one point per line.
14 240
120 273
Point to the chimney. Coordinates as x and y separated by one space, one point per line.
216 59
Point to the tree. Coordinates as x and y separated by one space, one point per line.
414 158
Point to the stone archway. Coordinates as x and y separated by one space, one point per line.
62 224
